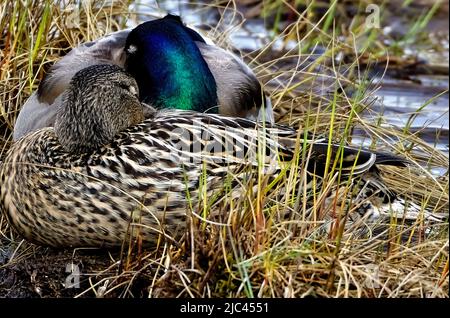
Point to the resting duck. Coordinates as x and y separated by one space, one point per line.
175 67
102 167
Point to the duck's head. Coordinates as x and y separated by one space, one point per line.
101 101
167 64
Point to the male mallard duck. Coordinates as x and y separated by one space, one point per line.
102 167
175 67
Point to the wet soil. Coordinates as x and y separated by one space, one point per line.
45 272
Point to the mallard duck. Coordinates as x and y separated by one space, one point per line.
103 167
175 67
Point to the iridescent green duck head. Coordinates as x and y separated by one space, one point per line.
101 101
163 57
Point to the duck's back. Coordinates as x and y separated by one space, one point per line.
149 175
155 174
56 199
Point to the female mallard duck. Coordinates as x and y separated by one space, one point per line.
174 67
102 167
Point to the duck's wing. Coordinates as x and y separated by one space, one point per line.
106 50
35 115
232 137
238 90
226 144
40 109
352 160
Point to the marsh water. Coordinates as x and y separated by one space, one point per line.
420 90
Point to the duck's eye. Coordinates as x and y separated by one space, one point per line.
131 49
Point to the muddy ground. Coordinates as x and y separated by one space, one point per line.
47 272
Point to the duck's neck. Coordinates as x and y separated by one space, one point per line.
85 123
171 72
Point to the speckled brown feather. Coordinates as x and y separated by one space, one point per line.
59 190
